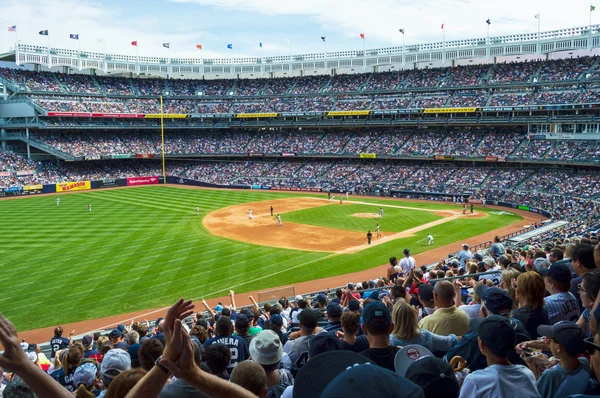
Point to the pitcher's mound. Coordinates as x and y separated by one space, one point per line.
366 215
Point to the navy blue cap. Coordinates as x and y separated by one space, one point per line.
323 342
321 298
334 311
435 377
376 315
560 273
371 381
114 334
277 320
498 334
496 300
567 334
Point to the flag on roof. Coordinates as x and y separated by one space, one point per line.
323 38
488 21
289 42
230 46
592 8
260 44
401 31
12 28
537 16
362 36
199 46
74 36
443 26
134 43
167 45
44 32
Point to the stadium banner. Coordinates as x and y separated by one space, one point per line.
395 111
368 156
255 154
73 186
120 156
144 155
475 201
109 183
96 157
132 181
348 113
25 172
249 115
166 116
490 159
301 113
119 115
443 157
11 191
521 207
70 114
212 115
287 154
38 187
49 188
296 189
5 174
449 110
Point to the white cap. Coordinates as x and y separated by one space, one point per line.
115 359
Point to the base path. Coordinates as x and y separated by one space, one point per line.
233 222
433 255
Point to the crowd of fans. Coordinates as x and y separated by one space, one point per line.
462 142
487 323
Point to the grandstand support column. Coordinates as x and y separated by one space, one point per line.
28 148
2 135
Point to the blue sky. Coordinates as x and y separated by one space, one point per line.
245 23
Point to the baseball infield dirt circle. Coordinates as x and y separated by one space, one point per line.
234 223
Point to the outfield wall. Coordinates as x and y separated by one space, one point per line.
154 180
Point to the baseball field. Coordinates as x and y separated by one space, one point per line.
144 247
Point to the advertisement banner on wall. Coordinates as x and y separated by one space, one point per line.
38 187
73 186
109 183
368 156
5 174
133 181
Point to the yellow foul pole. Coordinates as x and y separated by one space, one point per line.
162 136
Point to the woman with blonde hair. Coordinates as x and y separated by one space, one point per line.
506 283
529 291
406 331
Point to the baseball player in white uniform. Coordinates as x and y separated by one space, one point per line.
381 213
332 198
279 224
430 243
250 214
58 201
89 208
483 202
197 210
377 231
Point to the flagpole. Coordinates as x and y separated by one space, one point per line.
444 42
162 137
364 54
325 43
403 49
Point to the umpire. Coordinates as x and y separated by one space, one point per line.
369 236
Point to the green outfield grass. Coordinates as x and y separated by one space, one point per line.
144 247
341 217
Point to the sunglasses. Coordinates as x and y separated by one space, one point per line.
591 346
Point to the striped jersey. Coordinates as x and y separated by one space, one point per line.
562 307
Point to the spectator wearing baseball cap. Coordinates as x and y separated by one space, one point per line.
334 313
406 331
114 362
266 349
496 338
490 265
561 304
377 326
425 297
242 325
473 308
85 378
447 319
571 374
372 381
88 343
494 302
350 326
116 338
297 349
434 376
322 305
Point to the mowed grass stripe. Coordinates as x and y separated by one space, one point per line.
143 248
